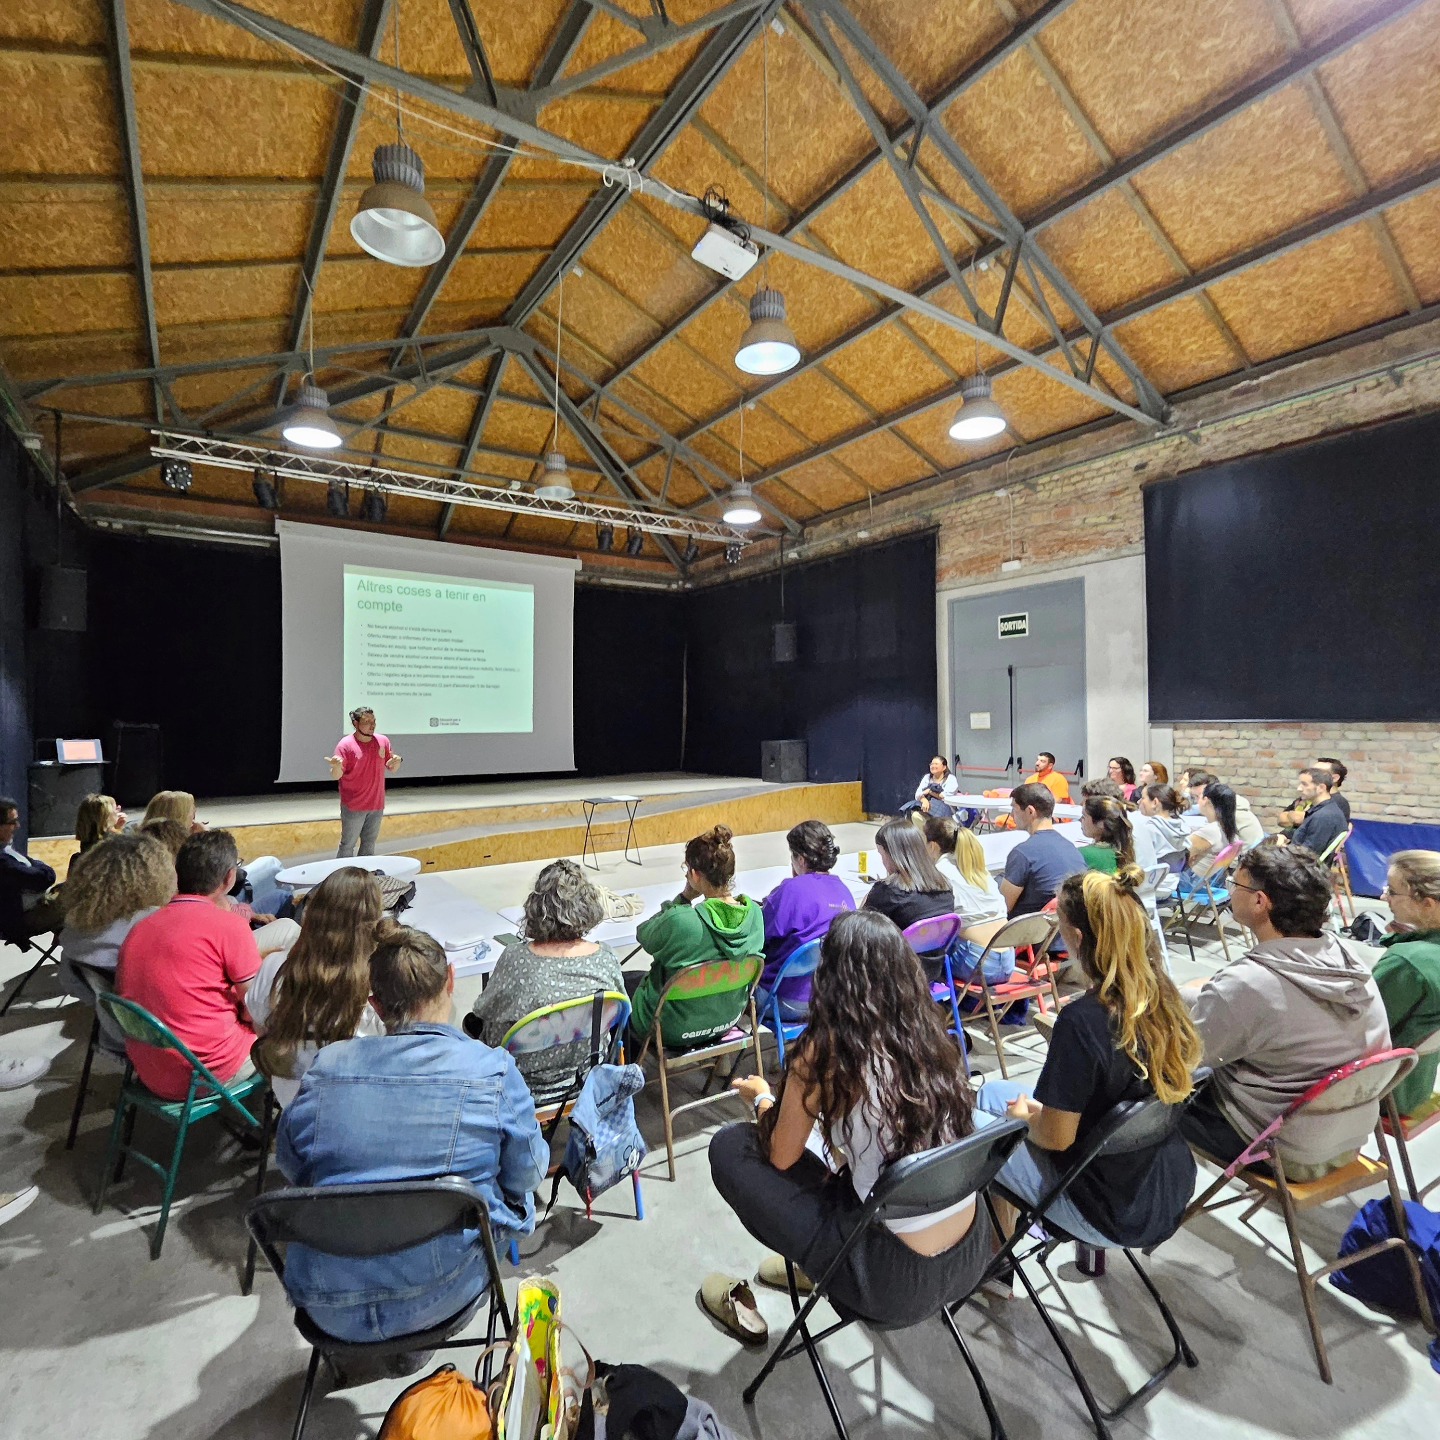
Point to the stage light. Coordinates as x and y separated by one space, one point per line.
309 423
395 222
176 475
979 417
266 494
605 538
634 542
692 551
374 506
733 551
555 481
768 347
740 507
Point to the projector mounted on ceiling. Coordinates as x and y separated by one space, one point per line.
725 252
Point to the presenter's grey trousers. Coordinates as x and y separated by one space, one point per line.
358 827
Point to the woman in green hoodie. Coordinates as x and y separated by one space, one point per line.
721 927
1408 975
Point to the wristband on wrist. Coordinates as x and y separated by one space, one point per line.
755 1103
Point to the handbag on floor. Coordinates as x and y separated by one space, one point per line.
445 1405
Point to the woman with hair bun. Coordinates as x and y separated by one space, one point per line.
721 927
800 909
1107 829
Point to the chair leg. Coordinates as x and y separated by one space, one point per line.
1097 1415
25 979
798 1327
997 1429
665 1110
1220 927
1397 1134
304 1410
84 1086
267 1122
125 1144
172 1173
110 1170
639 1196
1307 1285
995 1035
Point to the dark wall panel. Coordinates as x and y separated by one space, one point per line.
1299 585
15 733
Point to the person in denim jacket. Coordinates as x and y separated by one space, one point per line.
420 1101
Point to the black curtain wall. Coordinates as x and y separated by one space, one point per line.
15 733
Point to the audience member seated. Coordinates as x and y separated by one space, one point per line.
170 833
97 817
721 927
27 908
552 964
936 792
111 887
1247 824
1292 817
1221 828
1047 775
1408 975
1160 815
875 1079
1036 868
960 858
188 964
1325 822
173 805
912 888
418 1101
801 908
317 991
1122 772
1152 772
1128 1037
1102 786
1107 828
1299 1005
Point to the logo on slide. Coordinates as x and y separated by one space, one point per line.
438 722
433 722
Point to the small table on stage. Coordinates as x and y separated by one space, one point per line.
306 877
631 804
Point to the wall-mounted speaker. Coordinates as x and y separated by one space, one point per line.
785 762
783 644
62 598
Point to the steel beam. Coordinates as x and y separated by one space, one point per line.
474 45
486 404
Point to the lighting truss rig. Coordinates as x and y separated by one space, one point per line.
322 470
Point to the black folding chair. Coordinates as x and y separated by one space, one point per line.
1133 1126
25 943
105 1036
917 1185
370 1220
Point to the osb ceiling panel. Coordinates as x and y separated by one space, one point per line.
1415 224
1109 251
47 227
883 460
887 370
932 43
1178 345
817 407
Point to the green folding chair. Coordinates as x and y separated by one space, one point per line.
206 1096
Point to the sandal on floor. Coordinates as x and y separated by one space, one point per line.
772 1273
731 1302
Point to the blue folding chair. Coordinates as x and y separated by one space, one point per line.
800 963
938 936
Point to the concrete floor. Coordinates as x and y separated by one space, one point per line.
95 1339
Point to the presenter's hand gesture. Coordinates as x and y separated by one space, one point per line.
393 761
337 766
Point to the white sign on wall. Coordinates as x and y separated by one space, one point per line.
1015 627
979 719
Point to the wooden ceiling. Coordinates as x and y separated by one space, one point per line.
1146 195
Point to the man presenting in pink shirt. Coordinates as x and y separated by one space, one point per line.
359 764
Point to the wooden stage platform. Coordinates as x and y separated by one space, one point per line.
495 823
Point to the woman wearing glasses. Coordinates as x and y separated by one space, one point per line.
1408 976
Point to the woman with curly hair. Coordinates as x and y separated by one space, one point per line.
875 1078
1129 1036
110 887
318 990
552 964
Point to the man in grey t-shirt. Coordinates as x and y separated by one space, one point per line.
1036 868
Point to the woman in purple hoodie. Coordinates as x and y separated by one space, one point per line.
800 909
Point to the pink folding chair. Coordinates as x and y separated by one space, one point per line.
1355 1086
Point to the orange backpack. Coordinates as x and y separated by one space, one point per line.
445 1405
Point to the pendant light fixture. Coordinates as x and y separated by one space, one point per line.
309 423
740 506
768 346
395 222
979 417
555 482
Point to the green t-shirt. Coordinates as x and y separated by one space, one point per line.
1408 978
1100 857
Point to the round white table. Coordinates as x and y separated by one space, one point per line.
306 877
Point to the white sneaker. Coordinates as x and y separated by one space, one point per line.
12 1202
17 1073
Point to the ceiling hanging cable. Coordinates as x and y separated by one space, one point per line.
555 480
740 507
768 346
395 221
309 423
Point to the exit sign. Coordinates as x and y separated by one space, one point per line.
1014 627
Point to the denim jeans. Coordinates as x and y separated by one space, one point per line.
360 827
1030 1171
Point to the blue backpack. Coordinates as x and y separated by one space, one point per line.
604 1144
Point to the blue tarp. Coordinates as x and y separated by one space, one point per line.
1369 850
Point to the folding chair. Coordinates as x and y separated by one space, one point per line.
937 936
801 961
1403 1129
105 1036
205 1096
599 1019
1356 1085
707 978
1333 858
1208 892
916 1185
1032 979
1135 1125
25 944
369 1221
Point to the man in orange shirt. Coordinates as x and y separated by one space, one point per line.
1047 775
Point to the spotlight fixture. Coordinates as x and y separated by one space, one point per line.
979 417
692 551
337 499
634 542
605 538
267 496
177 475
555 482
374 506
733 552
309 423
740 507
768 347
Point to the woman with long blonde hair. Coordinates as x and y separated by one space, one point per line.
98 817
318 991
960 858
1128 1037
173 805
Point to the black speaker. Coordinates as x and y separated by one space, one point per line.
783 646
784 762
56 792
135 762
62 598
